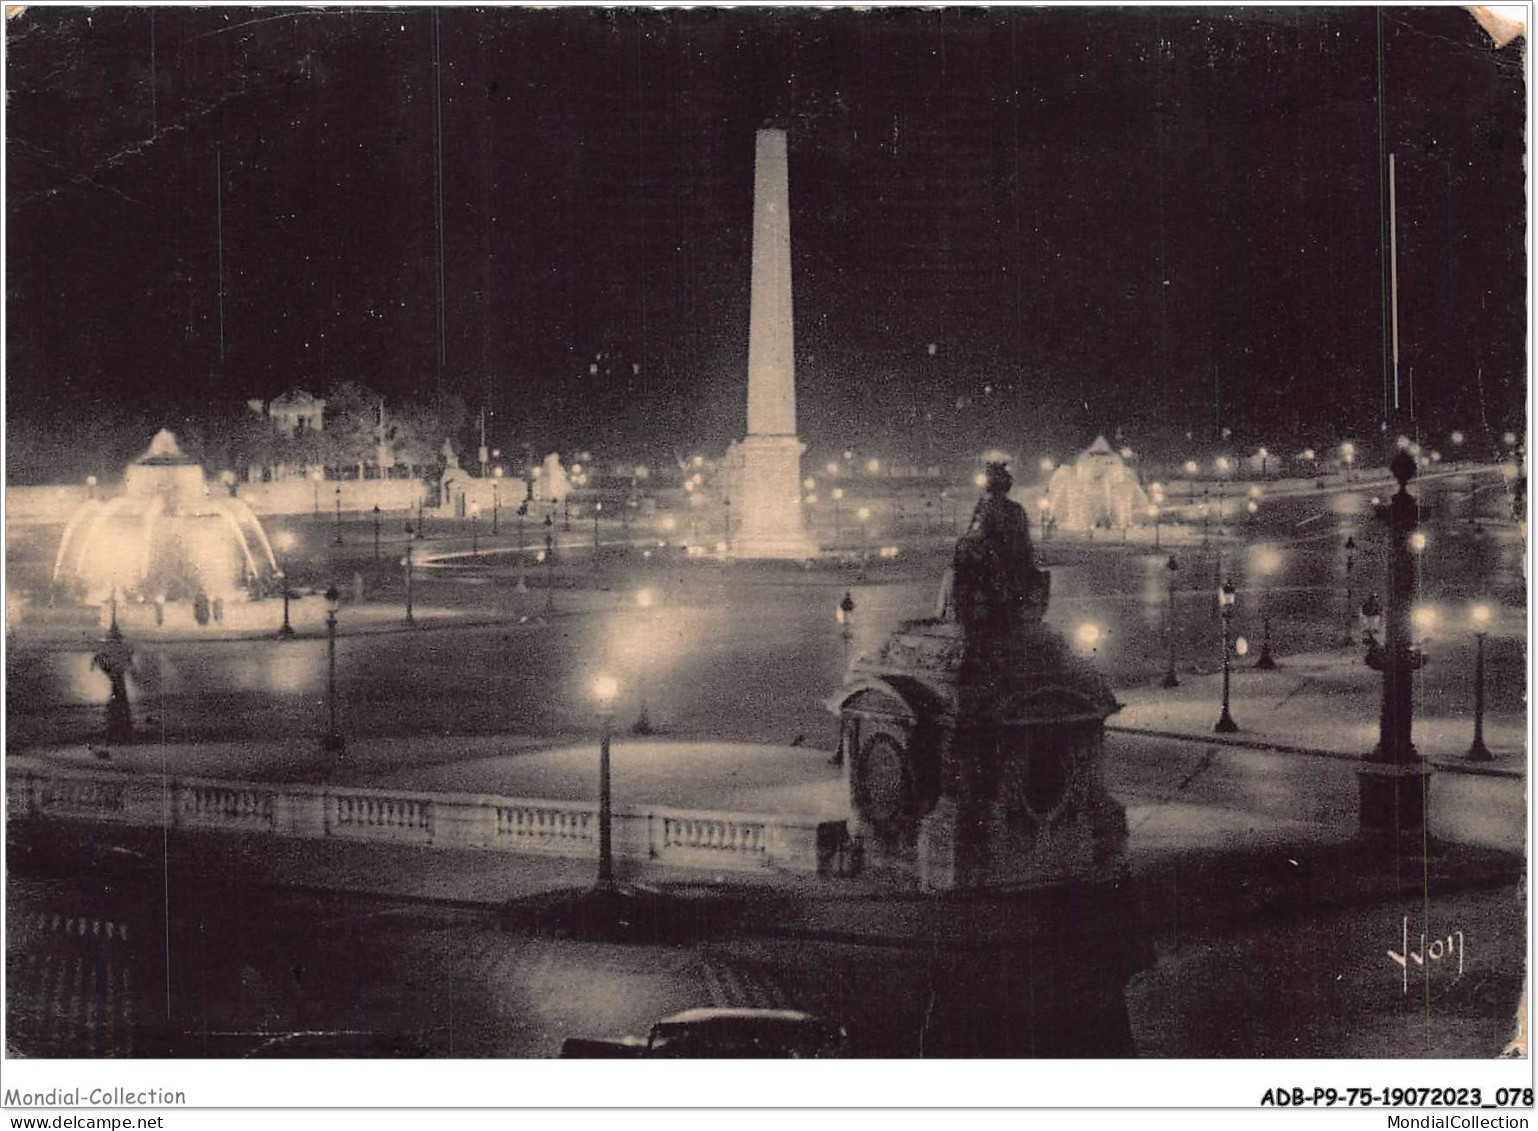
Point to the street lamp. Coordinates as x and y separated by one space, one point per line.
549 563
844 615
1155 514
605 689
376 532
1348 453
644 600
337 525
1172 571
1479 617
1350 600
523 584
1265 461
496 499
1045 505
838 523
285 542
1226 599
332 743
406 562
1267 561
90 486
315 477
475 530
1392 783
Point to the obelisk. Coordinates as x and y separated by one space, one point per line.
769 487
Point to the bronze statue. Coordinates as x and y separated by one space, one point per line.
996 587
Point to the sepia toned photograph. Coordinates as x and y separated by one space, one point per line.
767 532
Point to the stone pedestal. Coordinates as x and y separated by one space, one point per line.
957 781
768 499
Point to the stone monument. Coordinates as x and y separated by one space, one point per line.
972 739
764 471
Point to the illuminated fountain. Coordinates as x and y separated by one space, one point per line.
1097 489
166 537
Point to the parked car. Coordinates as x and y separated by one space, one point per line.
745 1034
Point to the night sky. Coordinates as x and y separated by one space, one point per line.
1155 220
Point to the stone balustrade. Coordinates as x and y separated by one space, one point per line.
687 838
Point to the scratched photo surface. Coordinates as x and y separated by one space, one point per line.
765 533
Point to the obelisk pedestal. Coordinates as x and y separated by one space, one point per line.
767 494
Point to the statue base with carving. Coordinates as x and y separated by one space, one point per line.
973 739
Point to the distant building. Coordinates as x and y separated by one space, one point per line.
297 412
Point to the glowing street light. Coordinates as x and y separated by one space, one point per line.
285 544
1348 453
832 467
1350 604
332 743
1089 635
1267 560
376 532
1156 514
1047 465
1479 617
1222 465
980 480
496 498
873 466
411 619
1418 541
1172 571
605 691
644 600
1226 598
1191 467
1265 458
90 485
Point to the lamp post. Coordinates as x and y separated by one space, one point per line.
376 532
1348 453
332 743
336 526
1172 571
1267 560
1479 616
843 615
523 584
1226 598
1350 598
1044 504
863 514
315 476
597 510
727 506
1372 625
566 513
1157 515
605 689
285 542
549 563
410 619
496 499
115 660
644 600
1392 783
838 523
475 530
90 486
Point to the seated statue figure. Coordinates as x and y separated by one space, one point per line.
996 587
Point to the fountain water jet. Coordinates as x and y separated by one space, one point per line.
167 535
